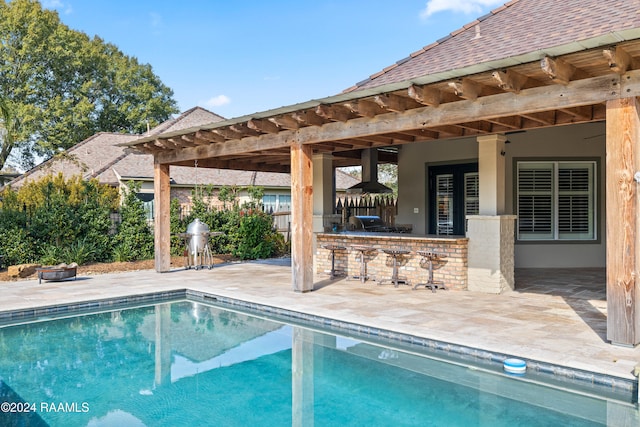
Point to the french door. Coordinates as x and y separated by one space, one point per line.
453 194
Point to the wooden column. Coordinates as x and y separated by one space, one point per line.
623 257
301 217
162 225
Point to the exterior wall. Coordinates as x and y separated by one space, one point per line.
412 180
578 141
452 271
571 141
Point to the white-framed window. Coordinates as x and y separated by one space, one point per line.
276 203
556 200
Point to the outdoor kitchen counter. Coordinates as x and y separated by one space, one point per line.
452 269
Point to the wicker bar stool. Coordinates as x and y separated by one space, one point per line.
429 257
396 253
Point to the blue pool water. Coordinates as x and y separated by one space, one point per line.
192 364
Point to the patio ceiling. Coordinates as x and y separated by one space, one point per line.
511 95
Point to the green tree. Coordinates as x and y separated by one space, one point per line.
62 86
8 127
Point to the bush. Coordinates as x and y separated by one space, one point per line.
254 236
134 240
16 246
60 218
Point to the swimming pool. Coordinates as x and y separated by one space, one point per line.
196 363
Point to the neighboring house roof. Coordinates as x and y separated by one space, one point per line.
192 117
517 28
101 156
140 166
88 158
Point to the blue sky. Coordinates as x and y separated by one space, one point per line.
237 57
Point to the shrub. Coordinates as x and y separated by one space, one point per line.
16 246
134 240
80 252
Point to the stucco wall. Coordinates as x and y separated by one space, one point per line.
573 141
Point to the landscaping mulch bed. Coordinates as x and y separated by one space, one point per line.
116 267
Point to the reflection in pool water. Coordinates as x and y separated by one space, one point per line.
191 364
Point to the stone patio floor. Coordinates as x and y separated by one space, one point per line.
554 316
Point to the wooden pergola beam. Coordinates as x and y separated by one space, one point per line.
538 99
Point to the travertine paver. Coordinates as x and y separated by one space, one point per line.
544 320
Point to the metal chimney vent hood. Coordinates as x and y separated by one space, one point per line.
369 184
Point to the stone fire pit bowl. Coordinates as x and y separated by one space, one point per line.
57 273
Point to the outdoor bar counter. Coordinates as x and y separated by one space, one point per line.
450 269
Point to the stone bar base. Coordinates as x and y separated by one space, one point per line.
452 271
491 253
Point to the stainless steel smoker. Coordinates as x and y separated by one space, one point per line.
197 249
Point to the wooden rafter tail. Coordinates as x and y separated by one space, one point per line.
286 122
397 103
425 95
338 113
619 60
308 118
263 126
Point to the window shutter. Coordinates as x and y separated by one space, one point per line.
535 202
471 193
444 189
574 202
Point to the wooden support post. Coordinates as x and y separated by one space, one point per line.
301 217
623 215
162 224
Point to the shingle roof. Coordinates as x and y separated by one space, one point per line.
141 166
192 117
87 158
516 28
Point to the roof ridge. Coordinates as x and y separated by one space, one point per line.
172 121
432 45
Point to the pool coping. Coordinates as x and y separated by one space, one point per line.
463 354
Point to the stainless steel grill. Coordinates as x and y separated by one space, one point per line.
374 224
370 223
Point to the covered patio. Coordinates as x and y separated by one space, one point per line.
595 79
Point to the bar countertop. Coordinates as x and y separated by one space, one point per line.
382 235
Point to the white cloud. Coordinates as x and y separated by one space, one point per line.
218 101
57 4
463 6
156 20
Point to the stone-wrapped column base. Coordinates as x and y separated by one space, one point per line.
491 253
